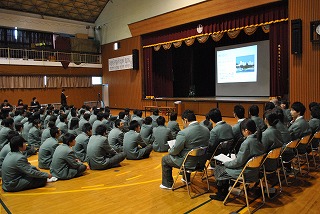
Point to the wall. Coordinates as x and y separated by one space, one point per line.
48 24
305 68
116 16
125 86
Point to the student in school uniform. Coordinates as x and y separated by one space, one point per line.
17 173
173 125
238 113
133 145
115 137
8 126
65 164
254 115
34 136
100 154
251 147
146 130
161 135
47 148
82 141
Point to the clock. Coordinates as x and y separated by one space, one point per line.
315 31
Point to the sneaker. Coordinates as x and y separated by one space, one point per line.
52 179
164 187
184 181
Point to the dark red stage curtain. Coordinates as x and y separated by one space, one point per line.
148 84
279 75
229 21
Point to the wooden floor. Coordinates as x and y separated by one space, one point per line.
134 188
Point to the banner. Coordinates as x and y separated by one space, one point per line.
120 63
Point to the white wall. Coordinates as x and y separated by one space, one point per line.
116 16
44 23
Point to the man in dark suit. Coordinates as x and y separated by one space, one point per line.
63 98
193 136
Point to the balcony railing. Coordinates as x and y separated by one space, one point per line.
53 56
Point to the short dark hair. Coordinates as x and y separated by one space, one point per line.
299 107
16 142
215 115
315 112
147 120
86 116
133 125
117 123
54 131
155 111
139 113
312 104
272 117
8 122
68 138
269 106
161 121
239 111
63 117
122 114
18 126
74 124
100 116
279 112
189 115
86 127
254 110
101 130
173 116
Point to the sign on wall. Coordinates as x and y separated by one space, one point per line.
120 63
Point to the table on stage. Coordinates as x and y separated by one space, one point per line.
164 110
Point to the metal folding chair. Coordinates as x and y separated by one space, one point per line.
289 146
315 140
197 156
253 163
273 158
303 143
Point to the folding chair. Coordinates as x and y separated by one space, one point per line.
254 163
289 146
198 157
314 149
270 166
302 152
224 147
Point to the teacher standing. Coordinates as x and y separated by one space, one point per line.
63 98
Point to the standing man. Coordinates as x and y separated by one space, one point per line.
63 98
192 136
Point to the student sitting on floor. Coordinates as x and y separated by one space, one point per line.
47 148
173 124
133 145
100 154
65 164
161 136
17 173
115 137
82 141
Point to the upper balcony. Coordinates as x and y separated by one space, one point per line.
10 56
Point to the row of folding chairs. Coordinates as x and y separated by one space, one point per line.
199 156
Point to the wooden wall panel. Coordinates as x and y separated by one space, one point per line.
76 95
194 106
48 70
305 68
125 86
193 13
204 107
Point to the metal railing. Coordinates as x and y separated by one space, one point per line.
43 55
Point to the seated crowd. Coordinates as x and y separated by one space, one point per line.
65 138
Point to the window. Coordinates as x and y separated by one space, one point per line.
96 80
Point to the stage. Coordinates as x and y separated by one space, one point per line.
202 105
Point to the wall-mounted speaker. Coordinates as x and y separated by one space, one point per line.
296 36
135 59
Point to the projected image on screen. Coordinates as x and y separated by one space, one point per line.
243 69
237 65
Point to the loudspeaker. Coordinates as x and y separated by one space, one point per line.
296 36
135 59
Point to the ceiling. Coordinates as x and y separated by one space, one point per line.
80 10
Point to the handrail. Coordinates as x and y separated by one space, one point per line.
53 56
